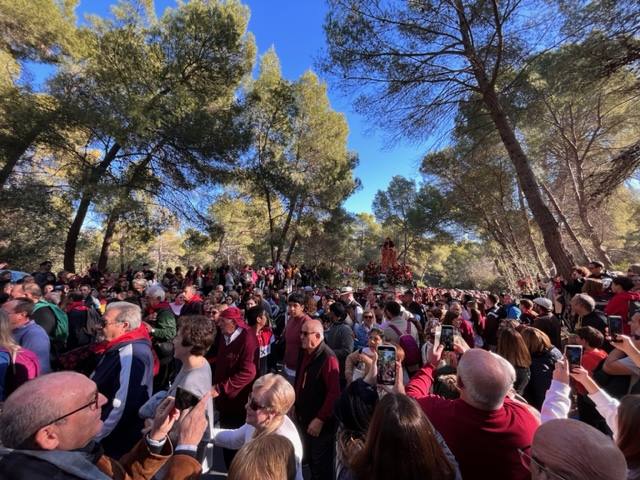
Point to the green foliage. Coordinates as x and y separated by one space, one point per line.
299 159
33 221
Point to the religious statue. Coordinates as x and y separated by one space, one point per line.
389 255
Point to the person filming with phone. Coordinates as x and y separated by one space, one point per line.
625 359
484 428
317 389
49 425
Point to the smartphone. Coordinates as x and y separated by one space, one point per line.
185 399
615 325
574 355
386 365
446 337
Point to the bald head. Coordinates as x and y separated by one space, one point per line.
38 402
314 326
485 379
575 450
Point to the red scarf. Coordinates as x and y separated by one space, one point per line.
195 298
79 306
140 333
164 305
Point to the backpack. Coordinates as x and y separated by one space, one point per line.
5 365
411 349
61 332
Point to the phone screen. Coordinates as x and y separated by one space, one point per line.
446 338
386 365
185 399
615 325
574 354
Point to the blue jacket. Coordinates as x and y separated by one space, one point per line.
124 375
33 337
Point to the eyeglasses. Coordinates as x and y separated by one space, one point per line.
255 406
367 316
527 460
93 404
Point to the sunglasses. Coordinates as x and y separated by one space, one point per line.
367 316
255 406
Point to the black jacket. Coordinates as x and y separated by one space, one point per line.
542 366
311 390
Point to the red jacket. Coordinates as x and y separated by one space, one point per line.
619 305
235 372
485 443
292 340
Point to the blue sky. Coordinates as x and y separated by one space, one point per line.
294 28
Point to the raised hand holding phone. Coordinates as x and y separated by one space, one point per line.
625 344
574 355
386 365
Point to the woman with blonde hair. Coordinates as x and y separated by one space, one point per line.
543 360
270 400
23 364
269 457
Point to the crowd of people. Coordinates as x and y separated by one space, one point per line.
141 376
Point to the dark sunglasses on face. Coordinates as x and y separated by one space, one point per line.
368 316
255 406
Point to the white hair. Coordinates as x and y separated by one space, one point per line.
157 292
127 312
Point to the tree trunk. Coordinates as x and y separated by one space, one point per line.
292 246
112 221
15 151
563 219
596 242
530 241
73 233
285 230
122 251
541 214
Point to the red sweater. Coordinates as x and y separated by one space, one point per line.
619 305
235 372
590 360
485 443
292 340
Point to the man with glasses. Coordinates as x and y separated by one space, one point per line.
568 449
50 423
124 375
317 389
